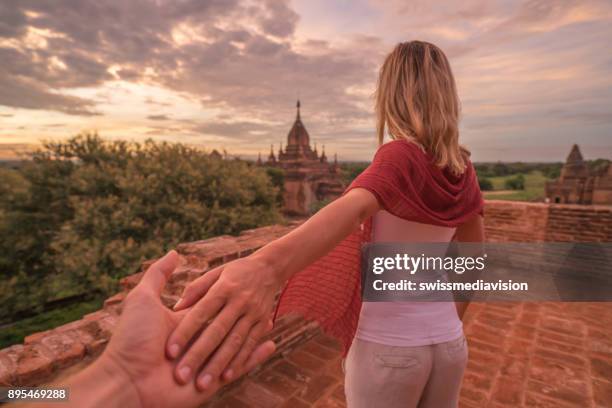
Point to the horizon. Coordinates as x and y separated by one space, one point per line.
253 158
533 79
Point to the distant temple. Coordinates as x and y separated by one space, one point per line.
578 184
308 176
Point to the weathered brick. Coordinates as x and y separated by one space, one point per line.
475 381
547 370
485 334
494 321
339 393
523 332
508 391
601 368
278 383
473 395
602 393
560 337
7 371
514 367
316 387
292 371
307 361
519 348
543 342
568 327
258 396
33 365
484 363
575 393
329 401
334 368
318 350
534 400
228 401
599 341
65 348
561 358
295 402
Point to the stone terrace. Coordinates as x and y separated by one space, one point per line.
521 354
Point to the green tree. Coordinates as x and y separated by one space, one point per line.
277 177
515 183
350 170
485 184
86 211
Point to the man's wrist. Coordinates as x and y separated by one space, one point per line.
104 383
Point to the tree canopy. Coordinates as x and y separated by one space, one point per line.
84 212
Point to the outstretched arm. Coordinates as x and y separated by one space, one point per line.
319 234
240 295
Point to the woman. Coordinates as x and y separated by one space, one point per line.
420 187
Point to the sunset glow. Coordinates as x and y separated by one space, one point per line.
534 76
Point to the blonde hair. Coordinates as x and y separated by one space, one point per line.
416 100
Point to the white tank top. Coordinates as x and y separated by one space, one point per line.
408 323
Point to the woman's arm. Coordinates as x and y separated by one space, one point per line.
240 295
318 235
471 231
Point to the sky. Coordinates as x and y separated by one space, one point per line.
534 76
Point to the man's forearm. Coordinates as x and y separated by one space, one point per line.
98 385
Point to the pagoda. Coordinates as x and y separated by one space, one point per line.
308 176
579 184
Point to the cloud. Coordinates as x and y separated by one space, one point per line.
158 117
12 20
25 93
230 53
246 62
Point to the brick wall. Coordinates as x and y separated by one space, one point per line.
46 354
579 223
508 221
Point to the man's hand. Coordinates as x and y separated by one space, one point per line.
238 297
135 360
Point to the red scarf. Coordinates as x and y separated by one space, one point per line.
407 184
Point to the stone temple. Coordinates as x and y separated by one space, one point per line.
578 184
309 177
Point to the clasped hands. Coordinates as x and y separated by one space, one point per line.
228 310
161 358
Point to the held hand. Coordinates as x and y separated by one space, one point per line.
239 298
136 355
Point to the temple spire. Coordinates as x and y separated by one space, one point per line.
298 134
335 167
574 155
271 158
